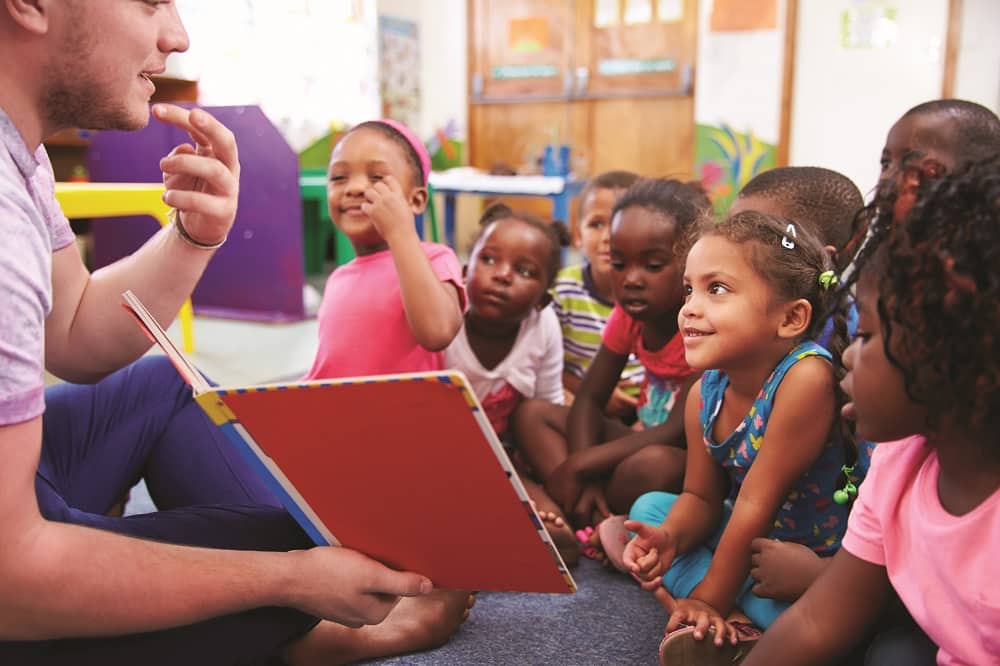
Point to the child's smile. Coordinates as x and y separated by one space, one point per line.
728 309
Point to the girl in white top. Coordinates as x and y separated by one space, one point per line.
510 345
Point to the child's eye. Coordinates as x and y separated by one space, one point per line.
617 265
377 176
654 266
717 289
526 271
337 178
486 258
862 335
596 224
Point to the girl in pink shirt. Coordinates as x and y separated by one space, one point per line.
925 365
398 304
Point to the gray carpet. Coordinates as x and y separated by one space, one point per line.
610 620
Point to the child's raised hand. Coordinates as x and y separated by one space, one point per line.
385 203
783 570
705 620
649 553
592 507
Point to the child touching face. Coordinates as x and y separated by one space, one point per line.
924 366
398 304
592 465
583 295
510 346
758 428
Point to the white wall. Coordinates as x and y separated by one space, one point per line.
738 76
978 75
845 100
443 58
306 64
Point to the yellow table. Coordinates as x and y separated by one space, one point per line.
86 200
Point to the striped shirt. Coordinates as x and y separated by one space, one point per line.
582 315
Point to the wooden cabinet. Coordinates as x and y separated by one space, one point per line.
612 78
614 84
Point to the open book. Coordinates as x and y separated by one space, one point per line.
404 468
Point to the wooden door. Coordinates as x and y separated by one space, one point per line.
612 78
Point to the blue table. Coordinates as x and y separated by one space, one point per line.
464 181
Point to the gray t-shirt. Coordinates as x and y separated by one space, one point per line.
32 227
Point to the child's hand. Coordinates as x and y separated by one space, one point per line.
565 486
649 554
386 205
592 507
705 620
783 570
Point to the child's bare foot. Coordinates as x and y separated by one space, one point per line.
608 542
562 536
414 625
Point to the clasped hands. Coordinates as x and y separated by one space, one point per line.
647 556
582 501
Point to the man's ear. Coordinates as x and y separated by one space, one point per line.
31 15
795 319
418 200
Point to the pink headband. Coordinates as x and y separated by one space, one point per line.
415 143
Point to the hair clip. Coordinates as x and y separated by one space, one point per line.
787 242
849 491
827 279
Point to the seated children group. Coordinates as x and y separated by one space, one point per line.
586 374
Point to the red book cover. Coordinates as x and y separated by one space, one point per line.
404 468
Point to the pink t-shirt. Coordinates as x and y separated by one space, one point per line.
944 567
362 324
623 335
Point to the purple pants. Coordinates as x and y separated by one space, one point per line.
142 422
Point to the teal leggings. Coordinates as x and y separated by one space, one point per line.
689 569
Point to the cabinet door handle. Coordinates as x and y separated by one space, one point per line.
582 80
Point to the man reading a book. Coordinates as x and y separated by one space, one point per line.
207 579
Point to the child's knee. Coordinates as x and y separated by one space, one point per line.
533 415
652 508
654 467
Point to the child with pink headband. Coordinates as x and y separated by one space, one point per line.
399 303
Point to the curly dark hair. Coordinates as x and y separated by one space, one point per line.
555 232
939 294
673 199
793 273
